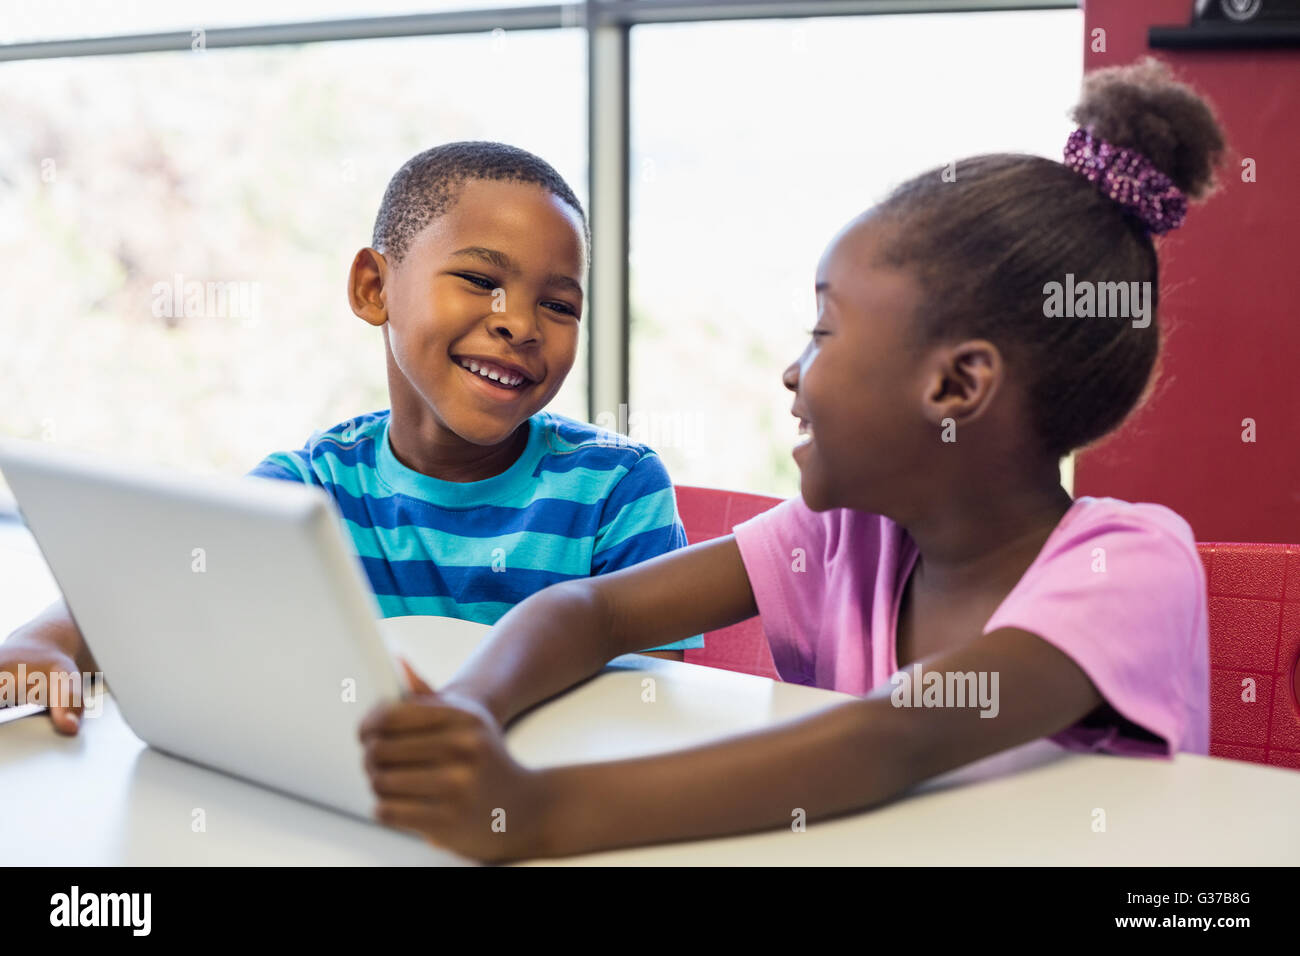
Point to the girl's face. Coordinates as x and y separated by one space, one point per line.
857 386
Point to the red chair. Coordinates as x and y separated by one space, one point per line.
1254 603
710 513
1254 596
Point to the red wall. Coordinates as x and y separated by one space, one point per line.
1230 287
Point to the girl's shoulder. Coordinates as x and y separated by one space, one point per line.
1095 515
1102 508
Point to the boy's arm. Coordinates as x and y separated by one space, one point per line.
568 632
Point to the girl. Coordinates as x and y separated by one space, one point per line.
939 390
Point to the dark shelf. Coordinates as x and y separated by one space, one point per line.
1227 36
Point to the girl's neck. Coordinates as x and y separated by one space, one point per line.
971 541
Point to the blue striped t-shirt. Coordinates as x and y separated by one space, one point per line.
579 501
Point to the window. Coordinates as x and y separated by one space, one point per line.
257 173
65 19
753 143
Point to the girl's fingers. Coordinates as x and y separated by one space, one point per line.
406 749
418 686
426 784
406 814
411 717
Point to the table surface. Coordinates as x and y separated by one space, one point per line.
105 798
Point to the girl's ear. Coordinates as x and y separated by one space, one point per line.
961 381
366 281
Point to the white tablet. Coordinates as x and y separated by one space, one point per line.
230 616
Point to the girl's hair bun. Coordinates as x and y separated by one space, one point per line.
1143 107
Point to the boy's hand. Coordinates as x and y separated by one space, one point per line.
439 766
40 657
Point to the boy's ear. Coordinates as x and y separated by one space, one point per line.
961 381
367 281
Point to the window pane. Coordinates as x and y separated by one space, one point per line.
61 19
258 172
753 143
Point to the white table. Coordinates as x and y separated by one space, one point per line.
104 798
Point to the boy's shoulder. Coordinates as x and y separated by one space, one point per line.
358 430
347 445
578 444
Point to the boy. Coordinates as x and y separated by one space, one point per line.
466 497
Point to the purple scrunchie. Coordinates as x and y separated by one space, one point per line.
1129 178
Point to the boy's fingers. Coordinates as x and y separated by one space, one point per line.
66 720
418 686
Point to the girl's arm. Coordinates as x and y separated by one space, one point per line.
443 770
848 757
568 632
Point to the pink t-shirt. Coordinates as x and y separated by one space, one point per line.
1132 615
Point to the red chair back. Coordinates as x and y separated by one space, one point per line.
711 513
1254 596
1254 604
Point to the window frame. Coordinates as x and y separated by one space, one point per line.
608 24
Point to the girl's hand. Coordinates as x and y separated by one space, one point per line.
439 767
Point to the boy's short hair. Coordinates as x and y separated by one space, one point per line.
429 184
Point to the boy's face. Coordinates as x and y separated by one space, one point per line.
495 282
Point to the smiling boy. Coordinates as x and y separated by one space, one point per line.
466 496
